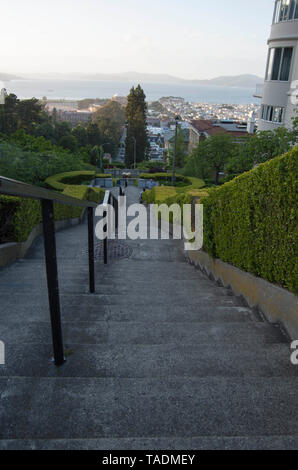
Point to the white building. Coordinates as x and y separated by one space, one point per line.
279 94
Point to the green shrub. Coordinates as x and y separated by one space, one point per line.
161 194
61 180
32 160
164 177
251 221
18 216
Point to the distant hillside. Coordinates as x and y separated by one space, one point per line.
237 80
6 77
246 81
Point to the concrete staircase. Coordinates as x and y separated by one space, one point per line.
159 358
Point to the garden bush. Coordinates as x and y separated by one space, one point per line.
60 181
164 177
18 216
251 221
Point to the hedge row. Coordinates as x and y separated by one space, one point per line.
169 195
251 222
18 216
163 177
61 180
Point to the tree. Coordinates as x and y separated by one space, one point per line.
259 148
80 133
181 148
197 164
29 114
93 133
110 120
68 142
9 115
218 151
62 129
94 155
136 113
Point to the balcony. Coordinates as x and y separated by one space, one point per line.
259 91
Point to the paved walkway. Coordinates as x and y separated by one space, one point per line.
160 357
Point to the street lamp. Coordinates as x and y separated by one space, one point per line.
175 150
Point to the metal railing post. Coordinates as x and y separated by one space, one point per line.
115 204
91 250
52 278
105 241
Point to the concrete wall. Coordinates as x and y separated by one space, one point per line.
10 252
278 305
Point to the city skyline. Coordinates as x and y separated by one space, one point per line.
189 40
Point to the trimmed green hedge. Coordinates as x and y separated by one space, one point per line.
251 222
18 216
163 177
60 181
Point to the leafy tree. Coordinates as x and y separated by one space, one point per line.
29 114
9 115
33 159
62 129
110 120
197 164
181 149
80 133
217 151
93 133
19 114
259 148
68 142
46 130
136 113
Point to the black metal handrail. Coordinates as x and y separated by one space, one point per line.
18 188
48 198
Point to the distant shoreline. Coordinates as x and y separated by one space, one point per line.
63 89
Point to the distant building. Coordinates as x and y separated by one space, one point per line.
280 92
120 99
153 121
74 117
202 129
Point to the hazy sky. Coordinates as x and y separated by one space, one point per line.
186 38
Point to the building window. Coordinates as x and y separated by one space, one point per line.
279 63
272 113
285 10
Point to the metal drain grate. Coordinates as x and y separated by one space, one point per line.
116 250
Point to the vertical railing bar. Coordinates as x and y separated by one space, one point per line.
91 250
52 278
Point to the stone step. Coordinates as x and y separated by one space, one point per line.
115 293
18 275
35 307
147 332
159 443
153 360
89 408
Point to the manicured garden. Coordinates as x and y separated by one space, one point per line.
250 222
